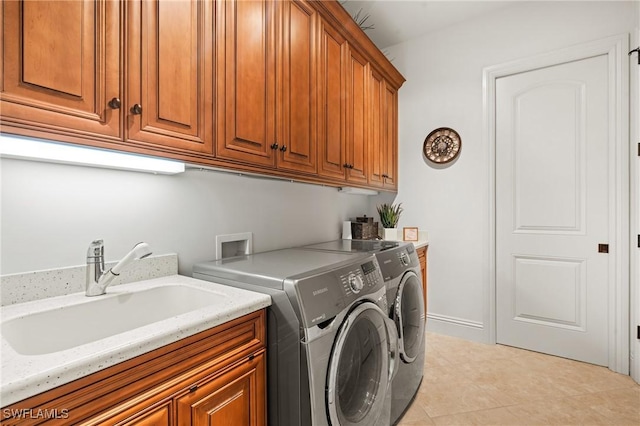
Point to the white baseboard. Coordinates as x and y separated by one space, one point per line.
456 327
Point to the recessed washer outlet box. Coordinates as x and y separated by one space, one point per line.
231 245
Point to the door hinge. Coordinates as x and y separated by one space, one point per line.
637 49
638 333
638 241
638 149
603 248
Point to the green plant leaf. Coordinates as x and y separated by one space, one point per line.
389 214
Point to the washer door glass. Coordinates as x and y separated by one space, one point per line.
409 316
358 374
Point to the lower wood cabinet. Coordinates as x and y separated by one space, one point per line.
143 415
216 377
229 399
422 257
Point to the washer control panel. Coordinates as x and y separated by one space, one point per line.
324 295
364 276
394 262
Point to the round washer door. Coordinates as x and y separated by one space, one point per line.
358 375
408 313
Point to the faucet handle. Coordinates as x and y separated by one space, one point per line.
95 252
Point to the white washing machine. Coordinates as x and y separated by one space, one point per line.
400 270
331 346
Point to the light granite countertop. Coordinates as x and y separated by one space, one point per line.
421 243
27 375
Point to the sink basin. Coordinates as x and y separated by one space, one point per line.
96 318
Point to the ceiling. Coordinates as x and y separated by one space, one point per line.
396 21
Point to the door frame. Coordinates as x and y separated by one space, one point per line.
634 77
616 48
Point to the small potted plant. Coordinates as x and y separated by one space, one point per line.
389 217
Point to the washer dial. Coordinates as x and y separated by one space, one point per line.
355 283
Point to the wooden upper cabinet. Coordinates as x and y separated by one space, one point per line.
246 75
390 140
297 75
332 103
61 66
280 87
170 74
376 130
357 155
383 135
267 67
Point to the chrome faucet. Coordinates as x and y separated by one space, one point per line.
97 279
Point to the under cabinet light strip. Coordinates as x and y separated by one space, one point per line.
357 191
40 150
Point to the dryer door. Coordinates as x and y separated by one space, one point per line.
358 376
409 315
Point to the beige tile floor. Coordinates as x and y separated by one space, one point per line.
468 383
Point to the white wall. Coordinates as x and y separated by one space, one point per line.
51 212
444 88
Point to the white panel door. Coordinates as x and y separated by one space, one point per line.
552 195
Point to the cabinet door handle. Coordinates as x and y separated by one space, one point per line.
115 103
283 148
345 165
136 109
385 176
274 145
351 166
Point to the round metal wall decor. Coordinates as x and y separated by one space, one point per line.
442 145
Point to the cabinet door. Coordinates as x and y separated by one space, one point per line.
383 136
390 138
246 71
170 74
377 133
422 257
332 103
61 66
235 398
357 122
297 73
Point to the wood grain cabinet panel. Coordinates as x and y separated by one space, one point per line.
377 135
236 398
61 66
159 415
170 74
296 114
246 75
422 257
383 139
266 98
390 139
357 118
332 103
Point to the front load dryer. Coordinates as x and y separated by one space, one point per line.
331 346
400 270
